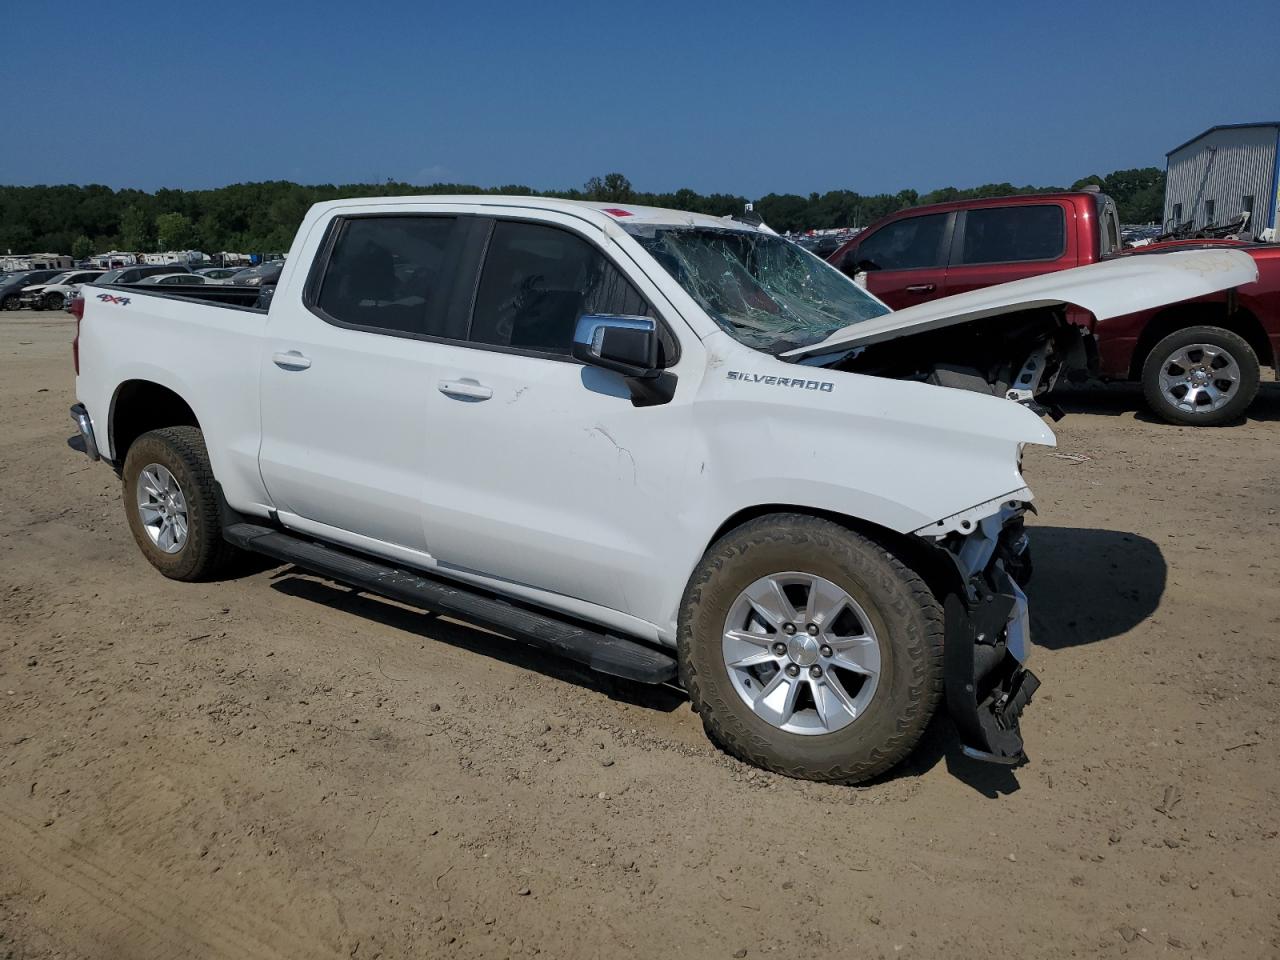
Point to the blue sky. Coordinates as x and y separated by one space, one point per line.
744 97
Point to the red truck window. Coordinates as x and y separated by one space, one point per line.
905 245
1011 234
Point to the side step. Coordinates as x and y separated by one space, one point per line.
603 652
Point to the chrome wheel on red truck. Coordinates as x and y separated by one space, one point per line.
1200 376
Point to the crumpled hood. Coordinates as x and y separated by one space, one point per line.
1110 289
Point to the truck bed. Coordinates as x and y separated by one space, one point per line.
206 351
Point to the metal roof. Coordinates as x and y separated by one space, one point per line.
594 212
1223 126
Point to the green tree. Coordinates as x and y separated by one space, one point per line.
135 229
174 231
81 247
614 188
262 217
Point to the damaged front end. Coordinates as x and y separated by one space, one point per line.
988 627
1019 356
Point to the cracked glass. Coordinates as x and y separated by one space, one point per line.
764 291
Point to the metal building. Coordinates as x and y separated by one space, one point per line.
1224 171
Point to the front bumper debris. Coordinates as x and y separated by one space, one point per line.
988 635
987 686
85 424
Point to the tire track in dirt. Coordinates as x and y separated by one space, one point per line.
104 906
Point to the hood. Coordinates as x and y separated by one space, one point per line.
1110 289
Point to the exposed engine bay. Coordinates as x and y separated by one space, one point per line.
1020 356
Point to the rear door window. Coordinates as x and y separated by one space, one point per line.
536 282
389 274
1012 234
909 244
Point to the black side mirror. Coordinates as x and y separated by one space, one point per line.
629 346
626 345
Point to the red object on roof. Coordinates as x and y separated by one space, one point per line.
616 212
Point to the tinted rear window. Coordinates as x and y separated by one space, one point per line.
1010 234
388 273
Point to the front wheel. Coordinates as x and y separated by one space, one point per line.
1200 377
54 301
10 303
172 504
809 650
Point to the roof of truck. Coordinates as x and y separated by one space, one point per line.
1007 200
616 212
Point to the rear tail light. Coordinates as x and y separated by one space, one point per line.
77 311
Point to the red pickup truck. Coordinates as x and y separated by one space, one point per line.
1198 360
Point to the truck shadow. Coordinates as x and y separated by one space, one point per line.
296 582
1091 585
1118 399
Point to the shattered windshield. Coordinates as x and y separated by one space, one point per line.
763 290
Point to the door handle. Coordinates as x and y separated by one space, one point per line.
921 288
465 389
292 360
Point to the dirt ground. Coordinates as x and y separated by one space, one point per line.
278 767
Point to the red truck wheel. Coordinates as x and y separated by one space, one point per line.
1200 377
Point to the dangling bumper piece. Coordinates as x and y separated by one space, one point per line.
988 636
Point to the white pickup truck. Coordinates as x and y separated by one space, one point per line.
661 444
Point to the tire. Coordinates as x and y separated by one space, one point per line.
904 616
181 452
1161 369
10 303
54 301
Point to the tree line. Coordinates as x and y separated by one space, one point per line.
262 217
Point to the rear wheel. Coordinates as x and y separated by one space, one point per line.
172 504
1200 377
10 302
809 650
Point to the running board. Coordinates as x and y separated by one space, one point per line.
602 652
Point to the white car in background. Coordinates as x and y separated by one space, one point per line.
58 291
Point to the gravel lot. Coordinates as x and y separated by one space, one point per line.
274 766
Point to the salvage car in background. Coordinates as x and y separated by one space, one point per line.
173 279
57 291
658 443
265 274
12 286
220 274
139 272
1198 360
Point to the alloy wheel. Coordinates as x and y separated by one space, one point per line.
1199 378
801 653
162 508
